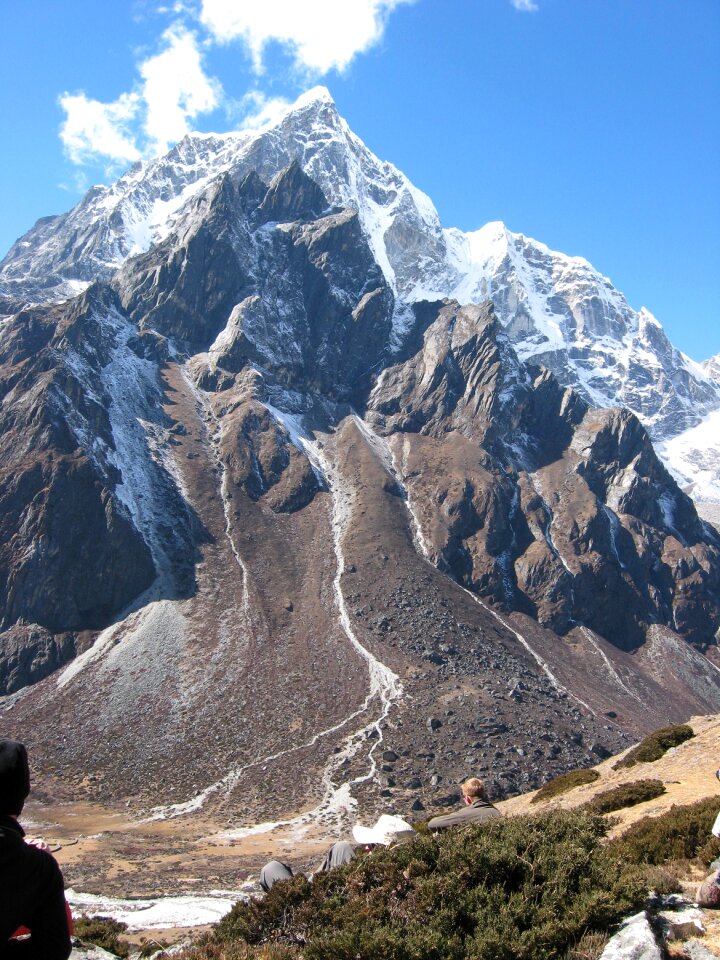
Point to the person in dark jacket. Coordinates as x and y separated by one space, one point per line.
477 808
31 884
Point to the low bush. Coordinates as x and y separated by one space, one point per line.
565 782
656 745
665 879
520 888
626 795
103 932
683 833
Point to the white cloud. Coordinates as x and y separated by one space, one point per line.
173 91
527 6
258 111
322 34
173 88
92 129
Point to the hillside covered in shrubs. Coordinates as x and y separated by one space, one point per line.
521 888
539 887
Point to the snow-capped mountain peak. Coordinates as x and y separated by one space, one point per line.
248 439
558 310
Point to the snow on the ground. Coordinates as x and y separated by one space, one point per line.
693 457
189 910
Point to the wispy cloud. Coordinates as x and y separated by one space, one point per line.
92 129
322 35
256 110
527 6
173 89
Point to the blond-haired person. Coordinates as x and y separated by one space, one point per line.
477 808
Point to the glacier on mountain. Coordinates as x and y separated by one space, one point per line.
693 458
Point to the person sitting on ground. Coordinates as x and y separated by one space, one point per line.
31 884
388 831
338 855
477 808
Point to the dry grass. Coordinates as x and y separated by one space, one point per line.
687 772
589 947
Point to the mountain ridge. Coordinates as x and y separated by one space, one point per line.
306 489
559 310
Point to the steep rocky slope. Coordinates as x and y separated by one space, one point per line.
281 521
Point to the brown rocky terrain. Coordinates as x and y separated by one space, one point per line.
686 771
261 566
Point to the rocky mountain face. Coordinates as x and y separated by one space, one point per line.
270 513
558 310
712 368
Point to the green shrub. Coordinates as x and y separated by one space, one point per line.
565 782
103 932
626 795
656 745
683 833
520 888
257 920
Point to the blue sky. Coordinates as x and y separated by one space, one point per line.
591 125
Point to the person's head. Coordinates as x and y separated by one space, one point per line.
14 777
473 789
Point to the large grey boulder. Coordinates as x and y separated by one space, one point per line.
682 924
634 941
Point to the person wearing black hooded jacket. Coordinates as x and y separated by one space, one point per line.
31 884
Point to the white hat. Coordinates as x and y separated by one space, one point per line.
387 830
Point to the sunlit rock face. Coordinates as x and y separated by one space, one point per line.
293 478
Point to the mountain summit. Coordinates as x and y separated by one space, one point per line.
285 494
558 310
